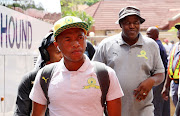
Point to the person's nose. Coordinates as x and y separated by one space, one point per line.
75 43
132 25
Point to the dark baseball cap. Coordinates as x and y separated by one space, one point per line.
48 40
177 26
129 10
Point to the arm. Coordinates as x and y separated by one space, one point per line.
38 98
166 88
114 107
157 78
144 87
114 95
38 109
23 102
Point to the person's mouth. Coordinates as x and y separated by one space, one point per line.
77 52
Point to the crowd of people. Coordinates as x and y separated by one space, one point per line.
128 74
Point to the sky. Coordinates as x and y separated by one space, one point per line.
49 5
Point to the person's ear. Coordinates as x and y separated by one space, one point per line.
56 45
120 24
85 37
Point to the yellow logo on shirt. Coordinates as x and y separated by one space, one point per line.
142 54
32 82
45 79
92 83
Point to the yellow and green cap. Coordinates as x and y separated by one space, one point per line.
67 23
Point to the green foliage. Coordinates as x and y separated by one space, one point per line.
70 7
73 3
27 6
91 2
34 6
82 15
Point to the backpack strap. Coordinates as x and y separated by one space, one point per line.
103 78
46 78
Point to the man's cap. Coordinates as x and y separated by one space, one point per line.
177 26
129 10
67 23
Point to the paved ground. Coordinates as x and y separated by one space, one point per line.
172 107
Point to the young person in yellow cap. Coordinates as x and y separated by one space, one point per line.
136 61
74 89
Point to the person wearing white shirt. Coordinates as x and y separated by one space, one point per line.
71 92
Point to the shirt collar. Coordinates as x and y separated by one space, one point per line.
122 42
84 67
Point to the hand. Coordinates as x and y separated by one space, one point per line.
165 93
141 92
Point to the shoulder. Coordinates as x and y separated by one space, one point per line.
109 40
49 66
27 82
30 76
149 42
103 65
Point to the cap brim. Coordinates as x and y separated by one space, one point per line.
141 19
49 39
177 26
52 39
82 25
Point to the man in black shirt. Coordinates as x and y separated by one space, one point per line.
49 53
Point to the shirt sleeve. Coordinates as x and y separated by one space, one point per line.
115 90
37 94
23 102
99 53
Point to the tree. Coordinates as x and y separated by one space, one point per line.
25 5
91 2
70 7
82 15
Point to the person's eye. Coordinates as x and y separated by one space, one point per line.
137 23
81 37
67 39
127 23
57 51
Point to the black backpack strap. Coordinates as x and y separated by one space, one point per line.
103 78
46 78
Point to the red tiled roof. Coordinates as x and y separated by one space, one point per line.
35 13
156 12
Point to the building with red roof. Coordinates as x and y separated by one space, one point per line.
160 13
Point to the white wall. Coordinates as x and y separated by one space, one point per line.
17 56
